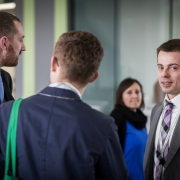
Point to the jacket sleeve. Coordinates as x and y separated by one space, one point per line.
111 164
121 124
2 166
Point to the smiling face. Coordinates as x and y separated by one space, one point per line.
169 72
14 47
132 97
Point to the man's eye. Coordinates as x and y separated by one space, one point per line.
160 68
174 68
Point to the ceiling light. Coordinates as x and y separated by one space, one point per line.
7 6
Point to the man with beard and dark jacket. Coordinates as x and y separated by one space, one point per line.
11 46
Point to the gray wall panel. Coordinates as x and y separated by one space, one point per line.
44 41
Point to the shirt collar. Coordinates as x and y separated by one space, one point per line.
175 100
66 85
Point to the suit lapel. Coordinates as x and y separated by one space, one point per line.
174 145
152 132
154 123
149 154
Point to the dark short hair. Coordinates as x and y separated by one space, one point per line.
79 53
172 45
7 26
125 84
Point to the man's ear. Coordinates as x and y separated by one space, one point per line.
3 42
94 77
54 64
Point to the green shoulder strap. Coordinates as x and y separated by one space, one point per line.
11 142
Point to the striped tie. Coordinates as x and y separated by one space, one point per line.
1 91
164 131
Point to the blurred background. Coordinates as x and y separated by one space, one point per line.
129 30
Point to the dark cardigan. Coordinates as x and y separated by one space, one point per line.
121 114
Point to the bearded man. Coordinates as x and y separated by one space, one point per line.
11 46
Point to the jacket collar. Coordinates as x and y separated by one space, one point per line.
59 93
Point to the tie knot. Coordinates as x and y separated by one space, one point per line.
169 105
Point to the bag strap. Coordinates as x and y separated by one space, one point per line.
11 139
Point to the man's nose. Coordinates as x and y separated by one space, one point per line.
23 48
165 72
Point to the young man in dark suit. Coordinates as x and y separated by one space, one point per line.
11 46
162 156
58 135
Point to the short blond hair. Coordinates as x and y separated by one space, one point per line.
80 54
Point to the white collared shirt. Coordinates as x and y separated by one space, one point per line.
66 85
176 109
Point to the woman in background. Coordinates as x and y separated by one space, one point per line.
131 124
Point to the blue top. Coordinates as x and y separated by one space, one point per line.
134 148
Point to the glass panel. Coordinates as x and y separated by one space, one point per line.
144 26
97 17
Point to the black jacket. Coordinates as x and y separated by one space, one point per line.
7 82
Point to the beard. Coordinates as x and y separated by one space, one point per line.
11 59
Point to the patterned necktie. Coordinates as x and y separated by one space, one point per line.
164 131
1 91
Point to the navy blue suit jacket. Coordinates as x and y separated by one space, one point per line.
61 137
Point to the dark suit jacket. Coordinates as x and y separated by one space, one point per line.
172 166
61 137
7 83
